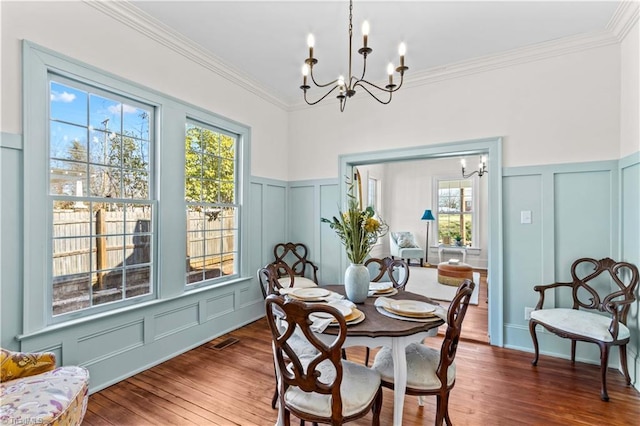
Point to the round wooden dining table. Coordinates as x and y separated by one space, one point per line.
378 330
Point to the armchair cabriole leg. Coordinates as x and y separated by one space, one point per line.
532 330
573 351
623 363
604 364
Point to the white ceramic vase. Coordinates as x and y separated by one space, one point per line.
356 282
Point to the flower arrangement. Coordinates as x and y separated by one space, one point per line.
357 229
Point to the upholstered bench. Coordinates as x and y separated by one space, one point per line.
454 274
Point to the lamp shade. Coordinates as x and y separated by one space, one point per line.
428 215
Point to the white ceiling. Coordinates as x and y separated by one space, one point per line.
265 41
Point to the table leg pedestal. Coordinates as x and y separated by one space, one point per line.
399 377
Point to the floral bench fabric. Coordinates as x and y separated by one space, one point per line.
32 392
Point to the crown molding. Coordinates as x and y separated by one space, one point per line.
136 19
624 18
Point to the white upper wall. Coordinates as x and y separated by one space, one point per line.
82 32
556 110
630 93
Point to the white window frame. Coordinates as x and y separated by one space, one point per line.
171 116
475 234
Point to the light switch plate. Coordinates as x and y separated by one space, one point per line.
525 216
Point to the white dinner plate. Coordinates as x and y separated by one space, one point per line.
411 308
311 293
379 286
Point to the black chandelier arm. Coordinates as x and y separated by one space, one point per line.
313 79
390 92
319 100
395 88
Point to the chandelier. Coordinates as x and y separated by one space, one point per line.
347 87
482 168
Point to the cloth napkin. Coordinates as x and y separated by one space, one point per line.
320 324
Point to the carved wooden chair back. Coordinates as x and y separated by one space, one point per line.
321 373
455 315
295 256
395 270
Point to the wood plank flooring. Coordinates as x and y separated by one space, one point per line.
494 386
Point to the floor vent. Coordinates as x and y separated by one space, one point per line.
223 344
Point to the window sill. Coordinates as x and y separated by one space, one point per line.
127 309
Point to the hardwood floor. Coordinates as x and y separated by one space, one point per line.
494 386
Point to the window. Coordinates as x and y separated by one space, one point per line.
372 194
210 194
99 188
456 219
105 193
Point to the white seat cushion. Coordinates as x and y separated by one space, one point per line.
359 387
584 323
422 363
298 282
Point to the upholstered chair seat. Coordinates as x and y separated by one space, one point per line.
422 365
298 282
358 388
574 321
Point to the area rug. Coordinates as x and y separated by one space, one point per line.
425 281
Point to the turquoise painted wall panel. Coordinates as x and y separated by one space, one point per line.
110 342
331 250
301 217
630 250
630 203
274 220
255 226
176 320
523 245
11 246
584 208
219 305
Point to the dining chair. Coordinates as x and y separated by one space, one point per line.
322 388
429 371
269 284
387 269
294 265
602 292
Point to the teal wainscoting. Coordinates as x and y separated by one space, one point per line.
575 213
11 246
630 248
309 201
119 344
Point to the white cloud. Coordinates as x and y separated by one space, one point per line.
62 97
128 109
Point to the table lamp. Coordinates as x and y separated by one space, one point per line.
428 216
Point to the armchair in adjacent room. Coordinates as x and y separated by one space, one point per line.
404 246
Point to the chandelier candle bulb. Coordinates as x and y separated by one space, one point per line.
365 32
390 72
311 41
402 50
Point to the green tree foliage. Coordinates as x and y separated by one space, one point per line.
209 166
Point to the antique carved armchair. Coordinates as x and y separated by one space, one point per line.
602 292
